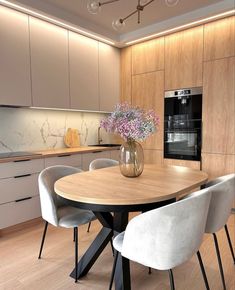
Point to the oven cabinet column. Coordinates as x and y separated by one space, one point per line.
19 196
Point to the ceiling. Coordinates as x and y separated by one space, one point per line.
155 17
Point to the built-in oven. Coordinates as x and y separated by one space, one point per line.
183 124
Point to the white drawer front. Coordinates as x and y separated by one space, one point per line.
13 213
69 160
88 157
12 189
11 169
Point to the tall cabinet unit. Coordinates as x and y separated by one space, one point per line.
49 65
218 157
109 76
83 72
15 86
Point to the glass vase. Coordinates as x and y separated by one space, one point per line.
131 159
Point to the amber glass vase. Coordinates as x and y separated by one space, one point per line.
131 159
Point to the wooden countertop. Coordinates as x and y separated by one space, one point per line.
57 152
109 187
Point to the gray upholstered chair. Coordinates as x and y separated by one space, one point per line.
54 210
98 164
166 237
223 193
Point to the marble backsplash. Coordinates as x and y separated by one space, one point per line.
23 129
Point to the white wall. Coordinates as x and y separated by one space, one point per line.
31 129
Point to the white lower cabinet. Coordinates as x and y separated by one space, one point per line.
88 157
74 160
16 212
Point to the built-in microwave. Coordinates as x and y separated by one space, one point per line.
183 124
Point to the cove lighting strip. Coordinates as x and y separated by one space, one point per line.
181 27
54 21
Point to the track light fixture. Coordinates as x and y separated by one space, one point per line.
94 7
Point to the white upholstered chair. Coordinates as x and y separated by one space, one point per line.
98 164
166 237
54 210
223 194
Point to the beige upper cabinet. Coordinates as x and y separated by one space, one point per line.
219 39
219 106
109 76
183 59
83 68
49 65
126 86
148 56
15 84
148 93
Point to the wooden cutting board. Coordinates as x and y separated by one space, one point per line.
72 138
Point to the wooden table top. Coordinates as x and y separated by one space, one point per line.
109 187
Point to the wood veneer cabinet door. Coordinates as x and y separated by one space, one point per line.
219 39
219 106
183 59
83 71
109 76
153 156
15 84
218 164
49 65
185 163
148 93
148 56
126 87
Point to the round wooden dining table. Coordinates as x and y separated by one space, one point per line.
112 196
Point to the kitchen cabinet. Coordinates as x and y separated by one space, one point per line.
19 199
148 56
216 165
185 163
148 92
114 154
183 59
88 157
109 77
219 39
153 156
126 61
15 83
49 65
83 72
219 107
64 159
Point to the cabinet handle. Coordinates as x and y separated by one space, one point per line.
22 199
64 155
24 160
24 175
97 151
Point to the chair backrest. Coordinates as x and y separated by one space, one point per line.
166 237
102 163
223 194
49 200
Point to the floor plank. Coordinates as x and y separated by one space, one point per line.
20 269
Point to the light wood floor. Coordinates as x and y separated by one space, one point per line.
20 268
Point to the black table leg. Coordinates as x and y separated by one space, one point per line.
97 246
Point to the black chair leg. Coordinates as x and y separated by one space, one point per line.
219 260
171 277
76 253
113 270
73 234
150 271
88 228
230 243
203 270
43 239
